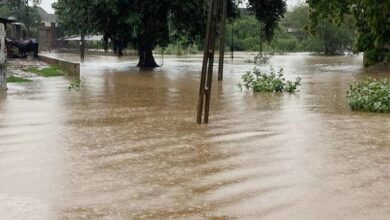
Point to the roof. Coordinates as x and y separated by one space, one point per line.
46 17
6 20
87 38
18 24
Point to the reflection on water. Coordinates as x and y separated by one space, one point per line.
126 145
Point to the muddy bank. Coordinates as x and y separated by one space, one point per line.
19 67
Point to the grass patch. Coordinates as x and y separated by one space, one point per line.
272 81
15 79
371 95
51 71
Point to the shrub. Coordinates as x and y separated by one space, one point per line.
371 95
272 81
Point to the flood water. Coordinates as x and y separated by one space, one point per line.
126 145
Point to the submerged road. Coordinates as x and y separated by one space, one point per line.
126 145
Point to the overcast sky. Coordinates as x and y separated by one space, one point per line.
46 4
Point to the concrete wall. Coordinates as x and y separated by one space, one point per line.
47 37
97 53
70 68
3 67
3 78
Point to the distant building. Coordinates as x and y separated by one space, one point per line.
14 29
47 32
5 21
46 18
291 30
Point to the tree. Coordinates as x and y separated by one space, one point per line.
74 17
145 24
269 13
329 38
21 11
246 33
372 21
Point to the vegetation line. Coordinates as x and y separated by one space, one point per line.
51 71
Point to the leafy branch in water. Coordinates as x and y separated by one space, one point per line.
74 86
272 81
371 95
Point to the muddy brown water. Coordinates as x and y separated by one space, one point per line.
126 146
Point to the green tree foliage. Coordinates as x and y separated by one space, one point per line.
269 13
334 39
21 12
292 34
325 37
372 21
246 33
74 16
146 24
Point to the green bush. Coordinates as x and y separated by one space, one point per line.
371 95
272 81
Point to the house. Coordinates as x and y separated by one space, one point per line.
47 32
46 18
6 21
14 29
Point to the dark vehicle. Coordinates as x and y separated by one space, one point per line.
21 49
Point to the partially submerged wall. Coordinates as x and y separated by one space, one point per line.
97 53
47 37
3 77
70 68
3 68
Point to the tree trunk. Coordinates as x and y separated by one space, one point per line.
105 43
120 52
146 58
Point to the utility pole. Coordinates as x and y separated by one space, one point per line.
82 47
222 42
216 18
232 42
27 18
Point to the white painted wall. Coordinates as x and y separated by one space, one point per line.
3 55
2 44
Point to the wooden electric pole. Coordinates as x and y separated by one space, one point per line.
82 48
215 25
28 19
222 42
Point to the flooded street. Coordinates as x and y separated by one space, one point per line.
126 145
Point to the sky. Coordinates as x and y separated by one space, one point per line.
46 4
